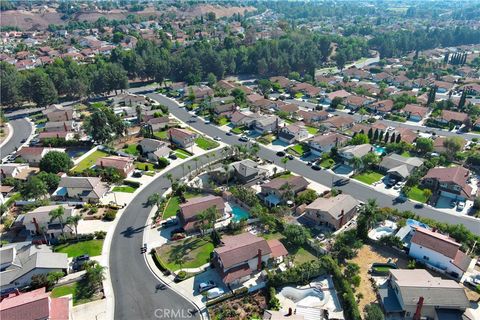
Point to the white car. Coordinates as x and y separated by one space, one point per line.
217 138
214 293
460 206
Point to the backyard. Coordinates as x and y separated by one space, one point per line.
187 253
131 149
89 161
74 249
368 177
312 130
300 254
206 144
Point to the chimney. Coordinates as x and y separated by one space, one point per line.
101 163
290 312
37 228
418 312
65 126
341 218
259 260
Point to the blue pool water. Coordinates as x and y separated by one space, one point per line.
238 213
379 149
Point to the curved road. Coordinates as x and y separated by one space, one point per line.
21 130
356 189
136 289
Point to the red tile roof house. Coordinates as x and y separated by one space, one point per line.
33 155
356 102
124 165
310 117
189 211
241 256
415 112
181 137
324 143
340 122
282 81
449 182
34 305
58 112
381 107
336 94
438 144
333 212
453 117
439 251
273 191
306 88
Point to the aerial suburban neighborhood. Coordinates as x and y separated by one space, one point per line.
251 160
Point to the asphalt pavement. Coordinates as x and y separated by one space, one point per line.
358 190
138 293
21 130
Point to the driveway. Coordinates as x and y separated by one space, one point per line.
190 286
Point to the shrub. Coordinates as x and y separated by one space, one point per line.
273 302
100 234
134 184
159 263
110 215
181 275
93 210
163 162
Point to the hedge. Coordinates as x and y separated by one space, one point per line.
134 184
159 263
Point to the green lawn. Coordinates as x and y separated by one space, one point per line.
182 154
312 130
73 289
300 254
237 130
91 247
89 161
131 149
286 175
144 166
127 189
172 208
406 154
194 252
417 194
368 177
223 122
300 149
266 139
327 163
161 135
206 144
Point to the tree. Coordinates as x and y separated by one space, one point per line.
10 84
370 159
154 199
307 197
373 312
54 276
453 145
94 275
423 145
38 88
295 234
359 138
55 162
50 179
41 281
264 85
336 102
103 125
73 221
284 161
427 193
211 79
239 95
34 188
57 214
369 215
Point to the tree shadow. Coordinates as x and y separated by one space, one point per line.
130 231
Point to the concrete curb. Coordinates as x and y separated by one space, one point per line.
9 136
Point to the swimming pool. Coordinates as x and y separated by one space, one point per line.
238 213
380 232
379 150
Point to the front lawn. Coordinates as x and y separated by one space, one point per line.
327 163
74 249
145 166
417 194
171 208
127 189
131 149
89 161
237 130
182 154
223 122
266 139
188 253
206 144
300 149
161 135
312 130
368 177
75 289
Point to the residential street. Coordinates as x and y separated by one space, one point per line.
21 130
357 190
138 293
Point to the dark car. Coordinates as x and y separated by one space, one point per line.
281 153
23 140
316 167
173 156
83 257
229 133
290 157
78 263
137 174
418 205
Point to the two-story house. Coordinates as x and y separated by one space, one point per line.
292 133
449 182
241 256
154 149
333 212
281 189
182 137
58 112
189 212
323 143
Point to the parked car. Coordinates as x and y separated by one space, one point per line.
137 174
217 138
290 157
228 133
83 257
281 153
214 293
309 163
173 156
418 205
244 139
207 122
316 167
204 286
460 206
170 222
78 263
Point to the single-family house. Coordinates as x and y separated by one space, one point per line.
438 251
323 143
443 87
240 119
454 117
439 144
240 256
265 124
449 182
129 100
289 108
281 189
14 170
33 155
154 149
355 151
283 82
355 102
60 126
86 189
306 88
34 305
59 113
333 212
336 94
62 135
244 171
339 122
188 214
292 133
159 123
182 137
310 117
38 221
408 291
224 110
200 92
414 112
124 165
381 107
20 261
399 167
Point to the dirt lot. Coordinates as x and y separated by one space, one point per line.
247 307
366 256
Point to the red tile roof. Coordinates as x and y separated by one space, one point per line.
196 205
436 241
277 248
457 175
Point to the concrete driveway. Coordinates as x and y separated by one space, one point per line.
190 285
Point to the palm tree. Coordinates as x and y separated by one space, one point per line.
356 163
94 274
226 168
57 214
284 161
169 176
73 221
154 199
370 213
